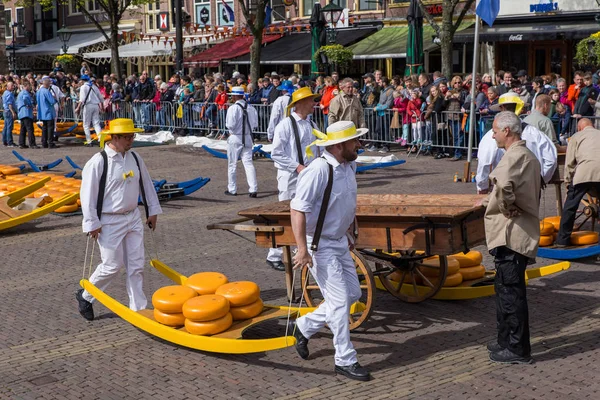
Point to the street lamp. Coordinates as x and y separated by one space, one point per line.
64 34
332 13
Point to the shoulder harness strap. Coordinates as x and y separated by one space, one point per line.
323 212
299 152
142 191
102 186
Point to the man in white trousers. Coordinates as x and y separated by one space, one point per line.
90 101
111 214
292 137
279 107
241 120
330 182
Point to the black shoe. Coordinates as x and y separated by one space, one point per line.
506 356
85 307
301 342
276 265
253 195
45 146
228 193
52 146
494 347
89 145
12 145
24 146
354 371
560 246
33 146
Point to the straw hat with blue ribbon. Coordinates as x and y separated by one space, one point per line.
301 94
338 132
237 91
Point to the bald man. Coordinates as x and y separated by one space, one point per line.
582 175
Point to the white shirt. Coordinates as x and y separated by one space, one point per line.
58 94
94 98
277 114
341 210
284 152
121 194
489 155
234 121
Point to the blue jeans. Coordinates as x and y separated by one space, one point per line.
459 138
7 131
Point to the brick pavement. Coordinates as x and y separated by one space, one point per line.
431 350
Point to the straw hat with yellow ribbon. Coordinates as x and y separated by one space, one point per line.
301 94
509 98
119 126
338 132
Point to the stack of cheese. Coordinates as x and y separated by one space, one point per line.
548 230
207 314
244 298
430 267
470 265
168 304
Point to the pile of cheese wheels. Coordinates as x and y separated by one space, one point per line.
207 304
9 170
461 267
57 187
550 226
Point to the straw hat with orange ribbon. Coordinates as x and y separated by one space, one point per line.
338 132
119 126
301 94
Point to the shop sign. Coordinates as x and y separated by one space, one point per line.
435 9
543 7
515 38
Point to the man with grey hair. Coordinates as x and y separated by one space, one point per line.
512 233
346 106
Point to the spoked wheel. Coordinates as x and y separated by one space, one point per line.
589 212
359 311
402 277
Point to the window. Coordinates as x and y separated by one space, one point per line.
202 12
307 6
90 6
225 13
342 3
366 5
21 22
8 23
278 13
152 10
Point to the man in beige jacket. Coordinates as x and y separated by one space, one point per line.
582 175
512 231
346 106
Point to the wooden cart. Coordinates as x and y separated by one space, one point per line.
395 232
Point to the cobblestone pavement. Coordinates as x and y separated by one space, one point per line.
429 350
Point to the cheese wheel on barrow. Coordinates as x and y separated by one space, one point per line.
239 293
206 282
174 320
206 308
209 327
470 273
554 221
453 266
247 312
451 280
170 299
546 228
470 259
546 240
582 238
68 208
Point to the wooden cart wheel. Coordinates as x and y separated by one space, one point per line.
359 311
405 288
589 212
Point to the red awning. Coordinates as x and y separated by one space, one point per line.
224 51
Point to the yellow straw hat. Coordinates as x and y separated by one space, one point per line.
119 126
338 132
301 94
509 98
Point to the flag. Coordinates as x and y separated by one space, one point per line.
229 11
268 12
488 10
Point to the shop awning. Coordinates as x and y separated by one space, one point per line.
529 31
296 47
224 51
139 49
390 42
53 46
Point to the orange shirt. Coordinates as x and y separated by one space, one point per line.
573 94
327 97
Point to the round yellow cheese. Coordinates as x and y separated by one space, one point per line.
170 299
584 237
169 319
209 327
69 208
239 293
451 280
470 259
546 228
206 282
206 308
470 273
453 266
247 312
554 221
546 240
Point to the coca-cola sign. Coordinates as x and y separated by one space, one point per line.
515 38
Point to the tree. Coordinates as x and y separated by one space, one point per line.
446 31
255 20
112 10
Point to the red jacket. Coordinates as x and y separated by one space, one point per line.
401 105
327 97
221 100
414 110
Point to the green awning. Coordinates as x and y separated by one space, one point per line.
390 42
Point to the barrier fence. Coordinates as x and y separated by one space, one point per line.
445 130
